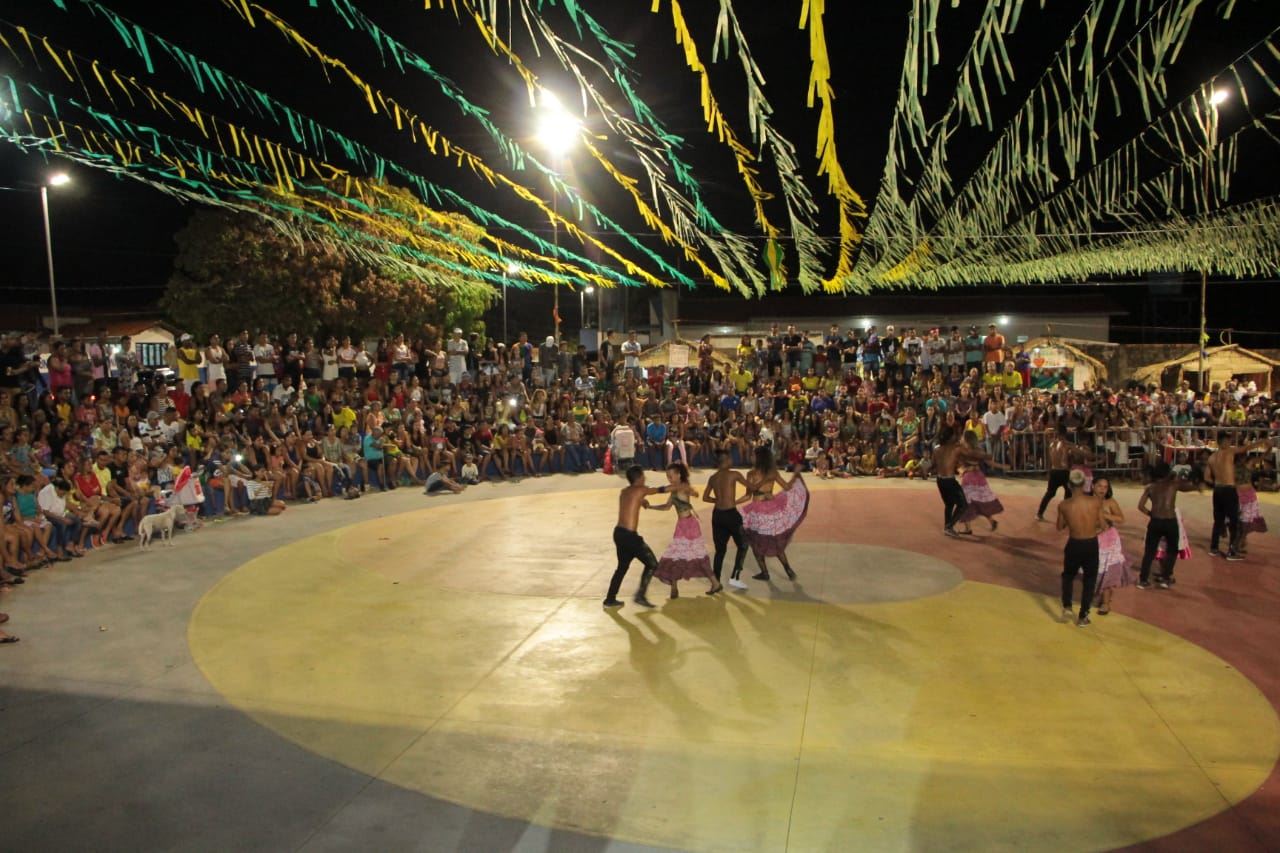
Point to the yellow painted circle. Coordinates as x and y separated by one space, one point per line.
461 651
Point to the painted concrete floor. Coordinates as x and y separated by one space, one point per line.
403 672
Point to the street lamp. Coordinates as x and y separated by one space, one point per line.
582 305
1215 98
513 269
57 179
558 132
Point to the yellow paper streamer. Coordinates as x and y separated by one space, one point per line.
851 205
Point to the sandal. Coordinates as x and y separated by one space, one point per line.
7 639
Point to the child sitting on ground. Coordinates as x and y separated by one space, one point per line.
470 473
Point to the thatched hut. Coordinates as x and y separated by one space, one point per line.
1221 363
1053 358
661 356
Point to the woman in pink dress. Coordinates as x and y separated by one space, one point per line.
686 557
1115 570
1251 520
979 499
770 520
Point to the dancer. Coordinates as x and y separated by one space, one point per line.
628 542
686 556
770 520
1114 568
978 497
1220 472
1059 452
1251 520
950 453
726 521
1081 516
1159 503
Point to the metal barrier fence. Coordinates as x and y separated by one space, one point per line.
1123 451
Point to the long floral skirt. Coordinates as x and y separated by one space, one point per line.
770 524
686 557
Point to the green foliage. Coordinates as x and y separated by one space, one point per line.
238 271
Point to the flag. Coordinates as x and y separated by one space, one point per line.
774 258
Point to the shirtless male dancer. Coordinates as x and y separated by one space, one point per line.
630 546
1220 472
1158 503
1081 516
947 458
726 521
1059 452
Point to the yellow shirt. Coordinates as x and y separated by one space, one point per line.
741 380
344 417
104 479
811 383
977 427
189 370
1012 381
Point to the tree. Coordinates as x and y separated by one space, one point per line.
238 271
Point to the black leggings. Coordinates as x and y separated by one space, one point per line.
953 501
1058 477
1080 555
1157 529
1226 517
631 547
726 524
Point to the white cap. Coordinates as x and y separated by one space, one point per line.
551 340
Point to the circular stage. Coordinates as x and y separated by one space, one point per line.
907 691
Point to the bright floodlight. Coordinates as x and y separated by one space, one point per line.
512 268
588 289
1003 319
557 128
57 179
1219 95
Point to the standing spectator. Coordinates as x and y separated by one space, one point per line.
458 349
98 359
871 353
188 362
215 360
127 365
972 350
243 357
548 360
993 350
264 354
631 355
608 350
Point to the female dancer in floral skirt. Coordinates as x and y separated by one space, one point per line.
1115 570
770 520
686 557
979 499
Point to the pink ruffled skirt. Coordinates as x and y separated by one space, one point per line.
979 499
1114 568
1251 520
686 557
770 524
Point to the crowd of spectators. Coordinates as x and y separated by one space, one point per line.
90 438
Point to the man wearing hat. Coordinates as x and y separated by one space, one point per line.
458 348
549 360
188 362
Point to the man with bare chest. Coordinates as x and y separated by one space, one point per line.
726 521
1159 503
1081 516
1059 453
1220 472
950 453
628 542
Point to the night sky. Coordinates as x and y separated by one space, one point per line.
113 237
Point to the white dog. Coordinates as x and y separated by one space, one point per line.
161 522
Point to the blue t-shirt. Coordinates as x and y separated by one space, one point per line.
656 432
372 449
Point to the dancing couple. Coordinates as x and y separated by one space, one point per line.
766 522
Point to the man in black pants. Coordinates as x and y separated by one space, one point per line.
1158 503
1220 471
947 458
726 521
1059 453
628 542
1081 516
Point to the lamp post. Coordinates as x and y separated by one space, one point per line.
57 179
1213 99
557 131
512 269
582 305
